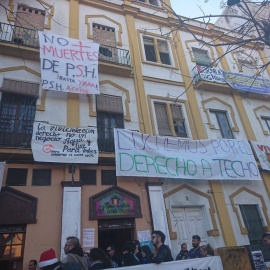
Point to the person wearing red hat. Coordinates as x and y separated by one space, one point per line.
48 261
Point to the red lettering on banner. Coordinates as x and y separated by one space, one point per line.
268 156
264 148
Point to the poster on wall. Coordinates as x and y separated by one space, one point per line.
258 260
145 155
263 153
144 238
52 143
68 65
88 237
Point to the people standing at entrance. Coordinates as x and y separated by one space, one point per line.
48 261
164 253
207 250
32 265
74 253
266 239
195 251
146 254
138 250
183 252
111 251
128 255
99 259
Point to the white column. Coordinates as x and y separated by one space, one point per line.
71 216
158 211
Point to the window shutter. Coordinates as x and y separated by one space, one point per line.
178 120
111 104
162 119
201 57
176 112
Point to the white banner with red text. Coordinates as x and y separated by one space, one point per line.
207 263
68 65
263 153
145 155
52 143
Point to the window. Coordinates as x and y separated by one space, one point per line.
253 223
266 122
109 116
108 177
16 177
152 47
223 124
166 113
41 177
247 67
151 2
12 243
17 113
88 177
202 58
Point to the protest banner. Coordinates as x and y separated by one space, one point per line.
207 263
68 65
145 155
263 153
51 143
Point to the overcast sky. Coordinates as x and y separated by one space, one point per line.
191 8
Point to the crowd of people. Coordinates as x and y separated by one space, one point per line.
133 254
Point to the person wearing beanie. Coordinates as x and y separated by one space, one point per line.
74 253
48 261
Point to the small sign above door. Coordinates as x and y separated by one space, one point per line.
114 202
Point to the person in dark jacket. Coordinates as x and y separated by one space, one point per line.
183 252
138 250
195 252
99 259
74 253
164 253
129 258
266 239
146 254
113 256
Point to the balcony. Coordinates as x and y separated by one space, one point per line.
210 78
27 39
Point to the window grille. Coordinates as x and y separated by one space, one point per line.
254 224
88 177
16 177
41 177
108 177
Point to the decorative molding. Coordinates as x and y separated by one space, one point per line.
148 5
187 42
119 42
150 79
234 128
127 116
10 17
264 208
155 37
40 107
265 132
173 235
248 56
169 101
215 231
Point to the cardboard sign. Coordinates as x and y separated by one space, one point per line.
263 153
145 155
68 65
51 143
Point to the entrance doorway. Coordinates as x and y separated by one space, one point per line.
116 232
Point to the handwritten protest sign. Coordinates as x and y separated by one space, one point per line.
145 155
68 65
51 143
263 153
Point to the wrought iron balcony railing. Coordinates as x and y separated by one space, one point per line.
29 37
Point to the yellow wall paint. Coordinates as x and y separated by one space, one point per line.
73 102
222 211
